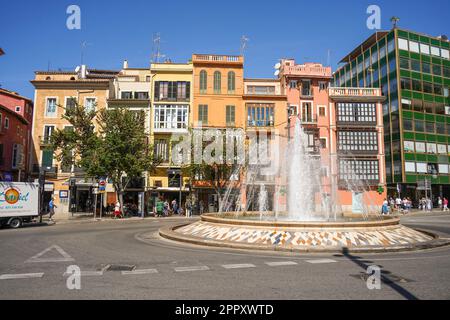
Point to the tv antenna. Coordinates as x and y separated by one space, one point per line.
84 44
394 21
244 41
156 48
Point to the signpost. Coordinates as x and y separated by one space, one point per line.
102 190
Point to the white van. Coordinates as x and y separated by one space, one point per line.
19 203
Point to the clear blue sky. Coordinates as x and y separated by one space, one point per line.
34 33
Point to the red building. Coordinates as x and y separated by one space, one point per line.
16 117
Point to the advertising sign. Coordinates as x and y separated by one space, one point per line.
19 199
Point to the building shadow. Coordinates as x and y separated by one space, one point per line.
385 278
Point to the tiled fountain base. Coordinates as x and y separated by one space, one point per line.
367 237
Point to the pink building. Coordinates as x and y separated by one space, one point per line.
16 117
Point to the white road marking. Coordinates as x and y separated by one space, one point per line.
86 273
186 269
37 258
317 261
21 276
238 266
139 271
281 263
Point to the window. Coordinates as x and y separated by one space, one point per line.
17 156
424 49
414 47
429 127
382 52
446 72
416 85
415 65
203 81
18 108
419 125
440 128
323 143
89 104
217 82
357 141
203 114
426 67
420 147
431 148
356 112
126 95
6 123
230 115
403 44
50 110
445 54
437 70
162 149
407 124
405 83
47 158
438 89
443 168
172 90
410 166
293 84
360 170
442 148
408 146
231 82
261 89
48 131
322 85
141 95
421 167
427 87
404 63
260 114
322 111
170 117
148 78
435 51
406 104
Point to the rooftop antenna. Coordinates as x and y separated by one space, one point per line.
156 48
394 21
244 41
329 58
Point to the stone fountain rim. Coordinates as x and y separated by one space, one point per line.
386 221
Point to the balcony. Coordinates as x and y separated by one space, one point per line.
352 94
212 58
308 119
44 141
49 171
306 93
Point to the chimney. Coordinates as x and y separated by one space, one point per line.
125 64
83 71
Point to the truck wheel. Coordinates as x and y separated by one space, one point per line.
15 223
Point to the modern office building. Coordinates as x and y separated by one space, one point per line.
413 72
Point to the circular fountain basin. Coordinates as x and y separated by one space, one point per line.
374 235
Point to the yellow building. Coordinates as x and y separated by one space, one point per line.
54 92
171 113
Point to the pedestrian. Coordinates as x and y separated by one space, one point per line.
398 203
385 208
445 203
202 207
159 207
166 208
188 206
429 205
117 211
174 206
440 203
51 208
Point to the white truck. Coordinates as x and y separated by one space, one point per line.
19 203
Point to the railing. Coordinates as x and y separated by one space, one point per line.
48 170
44 140
217 58
305 70
260 123
307 92
355 92
308 119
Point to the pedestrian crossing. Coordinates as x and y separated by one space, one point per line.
178 269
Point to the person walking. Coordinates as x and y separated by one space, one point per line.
429 205
385 208
51 208
117 211
445 203
440 203
159 207
166 208
188 206
175 206
202 207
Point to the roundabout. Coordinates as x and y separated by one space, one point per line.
377 235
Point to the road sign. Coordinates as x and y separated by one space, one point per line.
102 185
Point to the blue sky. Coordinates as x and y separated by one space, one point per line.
34 33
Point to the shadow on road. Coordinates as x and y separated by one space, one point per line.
384 278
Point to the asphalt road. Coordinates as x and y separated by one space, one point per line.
167 270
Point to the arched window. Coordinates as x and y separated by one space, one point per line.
217 81
231 82
203 81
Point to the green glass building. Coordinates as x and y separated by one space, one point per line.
413 71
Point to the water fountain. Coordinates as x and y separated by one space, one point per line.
304 216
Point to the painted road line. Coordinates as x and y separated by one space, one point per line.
86 274
187 269
21 276
139 271
317 261
64 256
238 266
281 263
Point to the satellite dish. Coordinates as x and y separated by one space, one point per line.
276 73
77 69
277 66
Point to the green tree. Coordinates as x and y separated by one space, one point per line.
117 149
